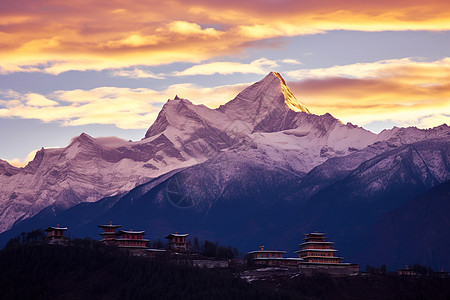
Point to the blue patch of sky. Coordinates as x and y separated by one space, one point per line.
378 126
348 47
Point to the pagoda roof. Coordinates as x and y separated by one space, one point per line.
51 228
316 250
314 233
131 232
266 251
306 243
279 258
136 240
172 235
324 257
109 226
108 233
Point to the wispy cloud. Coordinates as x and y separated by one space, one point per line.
260 66
136 73
123 107
89 35
405 91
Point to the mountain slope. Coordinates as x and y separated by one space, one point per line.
85 171
417 232
350 207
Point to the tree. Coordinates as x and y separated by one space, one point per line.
196 247
209 249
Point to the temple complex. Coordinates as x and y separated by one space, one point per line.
316 254
124 239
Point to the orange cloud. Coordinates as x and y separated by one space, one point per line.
57 36
405 91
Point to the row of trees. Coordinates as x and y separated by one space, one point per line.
35 236
417 268
88 269
205 248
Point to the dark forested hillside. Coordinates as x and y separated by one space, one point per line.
87 269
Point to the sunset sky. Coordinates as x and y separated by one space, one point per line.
107 67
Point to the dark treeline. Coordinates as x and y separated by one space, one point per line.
372 287
206 248
35 236
417 268
87 269
211 249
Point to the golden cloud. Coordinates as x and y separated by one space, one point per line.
123 107
405 91
57 36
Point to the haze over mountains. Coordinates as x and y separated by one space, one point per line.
259 169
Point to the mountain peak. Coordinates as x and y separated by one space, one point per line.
289 98
267 96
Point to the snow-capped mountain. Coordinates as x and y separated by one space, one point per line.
263 142
265 114
85 171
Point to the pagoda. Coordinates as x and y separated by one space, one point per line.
177 242
109 233
129 239
317 249
55 235
318 256
271 258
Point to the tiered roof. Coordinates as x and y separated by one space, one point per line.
109 230
134 241
173 235
51 228
317 249
110 225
